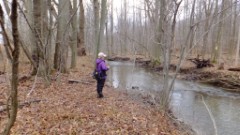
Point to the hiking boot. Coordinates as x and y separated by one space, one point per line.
100 95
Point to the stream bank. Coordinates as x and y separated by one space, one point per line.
225 79
189 99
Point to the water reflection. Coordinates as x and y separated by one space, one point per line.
187 100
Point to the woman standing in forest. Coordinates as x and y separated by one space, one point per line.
101 69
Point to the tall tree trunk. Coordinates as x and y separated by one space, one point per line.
161 43
74 35
5 2
107 37
44 54
81 34
134 50
96 26
173 27
29 19
44 21
102 22
49 48
6 39
61 49
234 29
37 34
192 34
125 45
218 43
146 29
237 49
214 20
208 10
14 80
112 36
159 30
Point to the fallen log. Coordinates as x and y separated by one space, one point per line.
234 69
21 105
71 81
118 59
143 61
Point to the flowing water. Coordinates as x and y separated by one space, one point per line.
208 110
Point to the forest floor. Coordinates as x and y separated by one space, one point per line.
73 108
222 78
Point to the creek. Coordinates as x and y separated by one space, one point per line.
189 100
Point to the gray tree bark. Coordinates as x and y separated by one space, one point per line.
218 43
102 24
81 34
37 34
61 49
208 6
96 26
161 42
237 49
112 36
73 44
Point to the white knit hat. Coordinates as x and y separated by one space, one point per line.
101 55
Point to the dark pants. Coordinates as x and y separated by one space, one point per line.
100 85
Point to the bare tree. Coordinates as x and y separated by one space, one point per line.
218 43
166 51
37 33
112 24
102 24
61 49
208 6
237 49
81 33
96 25
6 39
73 44
15 63
233 37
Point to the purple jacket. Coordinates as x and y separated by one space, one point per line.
101 67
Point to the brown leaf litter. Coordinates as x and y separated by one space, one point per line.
74 109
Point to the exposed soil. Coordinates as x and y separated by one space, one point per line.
73 108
